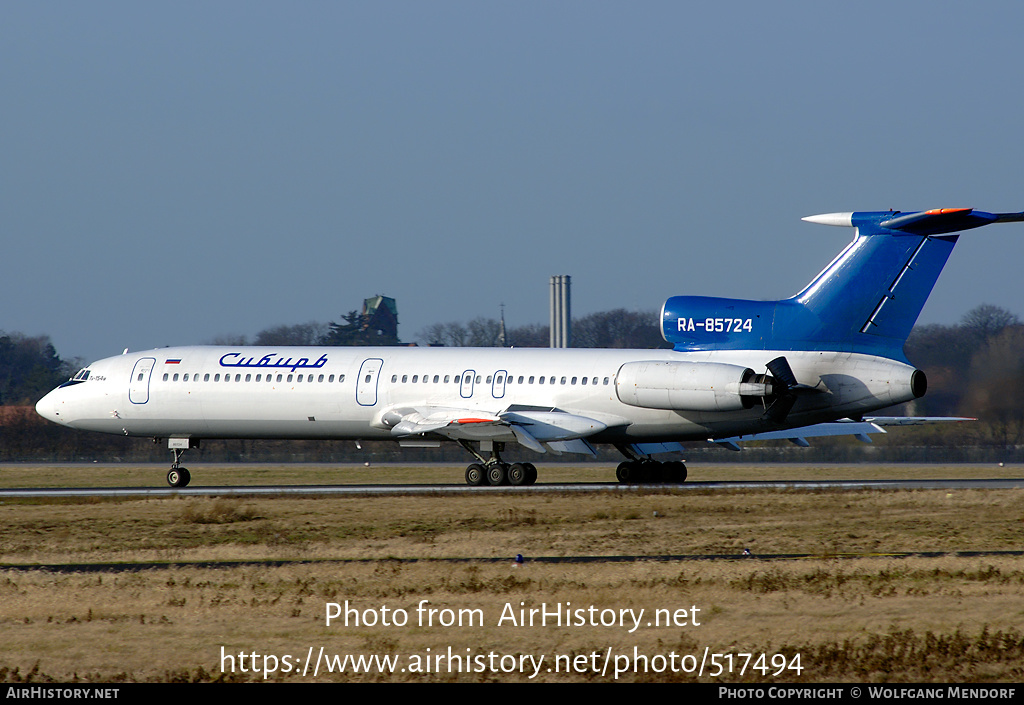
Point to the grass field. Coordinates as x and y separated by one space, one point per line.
866 618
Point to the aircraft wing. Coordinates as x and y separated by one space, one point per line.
860 430
915 420
539 430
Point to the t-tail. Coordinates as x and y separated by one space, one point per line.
866 301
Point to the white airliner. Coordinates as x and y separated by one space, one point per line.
816 364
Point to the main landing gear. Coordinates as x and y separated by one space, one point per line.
641 472
641 469
494 471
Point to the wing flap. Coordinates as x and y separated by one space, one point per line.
537 430
861 430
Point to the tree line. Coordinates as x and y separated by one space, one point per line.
975 368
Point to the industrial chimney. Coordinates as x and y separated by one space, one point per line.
561 314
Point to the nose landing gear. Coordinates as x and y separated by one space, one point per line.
178 476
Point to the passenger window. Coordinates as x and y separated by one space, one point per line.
563 380
341 378
259 378
446 378
165 376
248 378
457 378
289 378
321 379
331 379
415 379
584 380
238 378
531 379
405 378
140 376
279 378
573 381
541 380
488 379
436 379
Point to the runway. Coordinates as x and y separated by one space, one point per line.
461 489
133 566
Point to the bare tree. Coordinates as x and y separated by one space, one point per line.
311 333
452 335
995 386
986 321
618 329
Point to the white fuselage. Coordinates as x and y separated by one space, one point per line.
346 392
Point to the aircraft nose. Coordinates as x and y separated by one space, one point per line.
47 407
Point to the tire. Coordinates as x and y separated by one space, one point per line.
497 474
178 477
475 475
517 474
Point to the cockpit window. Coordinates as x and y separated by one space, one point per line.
81 376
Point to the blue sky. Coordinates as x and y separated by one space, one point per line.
170 173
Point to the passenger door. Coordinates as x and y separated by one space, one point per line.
366 382
138 387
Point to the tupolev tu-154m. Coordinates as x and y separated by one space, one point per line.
816 364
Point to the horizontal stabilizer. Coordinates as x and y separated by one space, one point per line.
931 222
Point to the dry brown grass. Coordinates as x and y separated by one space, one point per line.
865 619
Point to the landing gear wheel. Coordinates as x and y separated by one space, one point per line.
178 477
497 474
675 471
626 472
531 473
517 474
475 475
643 473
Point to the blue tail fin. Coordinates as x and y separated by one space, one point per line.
867 300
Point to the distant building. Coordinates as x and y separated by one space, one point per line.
380 318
